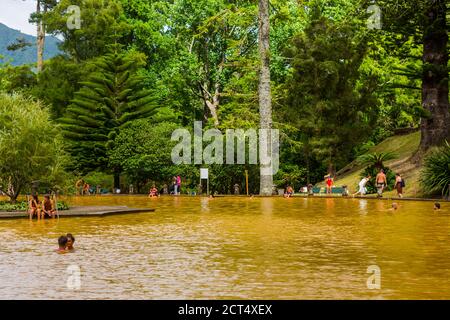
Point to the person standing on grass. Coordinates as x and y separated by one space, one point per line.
399 185
381 182
362 186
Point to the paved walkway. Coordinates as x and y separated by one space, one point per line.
85 211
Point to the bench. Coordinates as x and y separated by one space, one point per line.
316 190
334 190
337 190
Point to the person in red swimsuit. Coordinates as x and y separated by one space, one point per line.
329 183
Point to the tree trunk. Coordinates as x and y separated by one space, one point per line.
12 193
212 100
434 130
116 180
40 37
264 94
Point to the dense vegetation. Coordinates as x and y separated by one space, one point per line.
341 81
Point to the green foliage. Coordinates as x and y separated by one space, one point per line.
58 82
23 206
328 99
224 177
111 97
15 79
150 159
30 145
435 175
292 175
99 178
102 24
376 159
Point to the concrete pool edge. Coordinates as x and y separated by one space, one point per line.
82 211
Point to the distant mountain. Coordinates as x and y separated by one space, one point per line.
27 55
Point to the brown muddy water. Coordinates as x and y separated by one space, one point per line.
233 248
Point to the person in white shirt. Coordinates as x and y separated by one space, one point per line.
362 186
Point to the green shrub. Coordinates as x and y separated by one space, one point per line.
435 175
23 206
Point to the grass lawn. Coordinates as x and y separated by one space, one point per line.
404 146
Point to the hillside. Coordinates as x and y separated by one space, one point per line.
404 146
28 55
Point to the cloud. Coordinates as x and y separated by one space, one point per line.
15 14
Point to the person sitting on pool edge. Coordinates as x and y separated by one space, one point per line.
70 242
289 192
153 192
437 206
62 242
47 207
34 206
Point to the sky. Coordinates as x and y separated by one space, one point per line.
15 14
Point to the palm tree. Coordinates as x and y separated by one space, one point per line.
376 159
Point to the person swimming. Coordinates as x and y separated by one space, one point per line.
62 243
437 206
394 207
70 242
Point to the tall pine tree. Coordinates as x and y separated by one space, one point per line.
113 96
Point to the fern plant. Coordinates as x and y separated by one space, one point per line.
435 175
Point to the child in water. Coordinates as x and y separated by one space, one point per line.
437 206
70 242
62 243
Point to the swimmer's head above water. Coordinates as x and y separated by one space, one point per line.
62 242
70 241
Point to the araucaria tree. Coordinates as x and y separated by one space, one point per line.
113 96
